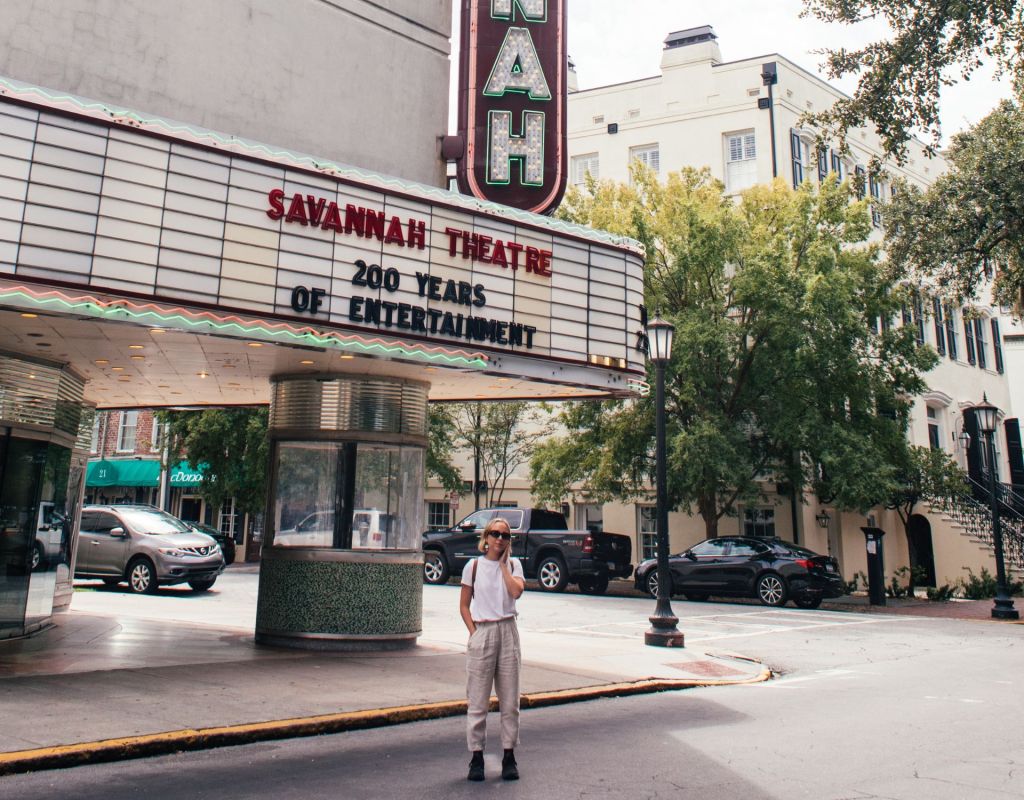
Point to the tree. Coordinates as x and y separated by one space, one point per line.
923 474
232 447
901 77
777 371
970 221
440 446
501 437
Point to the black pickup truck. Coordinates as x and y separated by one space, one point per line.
549 551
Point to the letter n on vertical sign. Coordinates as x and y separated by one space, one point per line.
512 98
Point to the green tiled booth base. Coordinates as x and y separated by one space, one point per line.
340 605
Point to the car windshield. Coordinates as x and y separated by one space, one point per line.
796 550
154 522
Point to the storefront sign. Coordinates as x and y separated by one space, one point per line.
512 102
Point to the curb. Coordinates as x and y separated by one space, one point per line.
155 744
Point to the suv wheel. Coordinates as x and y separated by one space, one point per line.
36 558
202 586
594 584
435 567
142 577
552 574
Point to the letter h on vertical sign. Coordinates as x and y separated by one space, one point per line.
512 101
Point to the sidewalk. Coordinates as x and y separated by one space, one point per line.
97 688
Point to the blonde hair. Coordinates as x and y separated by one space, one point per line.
482 544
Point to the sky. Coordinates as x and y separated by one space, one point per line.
613 41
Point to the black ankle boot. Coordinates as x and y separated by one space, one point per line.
509 769
476 766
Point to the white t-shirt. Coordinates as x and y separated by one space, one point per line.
491 599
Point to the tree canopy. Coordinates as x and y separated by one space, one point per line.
933 43
970 222
777 372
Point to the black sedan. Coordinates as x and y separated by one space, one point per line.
771 570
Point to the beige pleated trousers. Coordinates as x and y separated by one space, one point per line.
493 658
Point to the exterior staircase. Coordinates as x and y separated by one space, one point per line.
971 511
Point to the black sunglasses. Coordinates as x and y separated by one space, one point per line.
496 535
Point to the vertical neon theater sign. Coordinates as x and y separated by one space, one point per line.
512 96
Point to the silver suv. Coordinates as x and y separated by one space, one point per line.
146 547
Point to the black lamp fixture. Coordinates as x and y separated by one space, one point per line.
987 416
663 631
823 518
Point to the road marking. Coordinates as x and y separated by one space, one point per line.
699 638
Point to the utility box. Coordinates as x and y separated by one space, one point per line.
876 565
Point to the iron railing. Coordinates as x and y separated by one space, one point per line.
976 518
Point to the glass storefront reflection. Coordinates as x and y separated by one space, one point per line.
35 529
347 496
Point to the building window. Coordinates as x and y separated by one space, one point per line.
94 444
997 345
875 185
584 165
759 522
940 328
798 152
934 430
648 526
837 165
157 435
979 342
647 155
439 515
822 164
126 431
951 340
969 337
740 161
861 181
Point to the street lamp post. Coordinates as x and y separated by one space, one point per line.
987 415
663 631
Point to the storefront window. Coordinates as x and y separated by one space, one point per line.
348 496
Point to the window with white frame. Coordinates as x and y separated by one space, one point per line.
800 156
740 161
934 429
94 444
875 185
126 431
647 525
979 342
582 165
952 342
156 436
759 522
647 155
439 514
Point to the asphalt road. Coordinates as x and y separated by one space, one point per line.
864 707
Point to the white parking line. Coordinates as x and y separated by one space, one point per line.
781 629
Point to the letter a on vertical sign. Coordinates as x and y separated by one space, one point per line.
512 98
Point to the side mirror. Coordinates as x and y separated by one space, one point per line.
119 533
688 554
468 527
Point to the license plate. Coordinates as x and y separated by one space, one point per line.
830 567
612 565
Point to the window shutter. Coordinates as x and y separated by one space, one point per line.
940 332
969 339
951 333
979 342
1014 451
997 345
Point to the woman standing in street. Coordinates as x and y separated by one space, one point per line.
491 584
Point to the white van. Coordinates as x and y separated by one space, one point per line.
370 529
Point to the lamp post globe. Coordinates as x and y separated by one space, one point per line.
987 416
663 631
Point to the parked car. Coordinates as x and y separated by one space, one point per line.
771 570
50 537
227 543
146 547
371 530
550 552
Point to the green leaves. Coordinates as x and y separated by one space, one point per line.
777 373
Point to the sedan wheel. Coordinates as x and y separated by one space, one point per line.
807 601
771 590
142 577
36 558
652 584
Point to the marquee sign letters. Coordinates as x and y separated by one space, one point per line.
512 101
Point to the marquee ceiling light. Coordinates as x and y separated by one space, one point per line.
117 369
27 315
119 309
138 358
135 347
101 361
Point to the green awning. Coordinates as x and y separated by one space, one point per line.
128 472
183 475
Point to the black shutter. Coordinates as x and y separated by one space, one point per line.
1014 451
975 465
979 342
951 332
940 331
969 339
997 345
